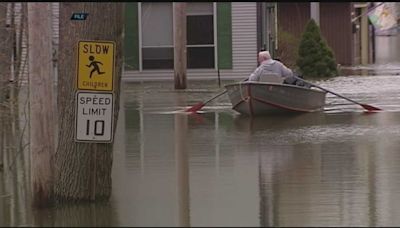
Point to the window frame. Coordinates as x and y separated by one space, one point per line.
215 41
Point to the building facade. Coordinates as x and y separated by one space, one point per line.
221 40
334 21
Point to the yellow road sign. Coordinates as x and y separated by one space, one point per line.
96 60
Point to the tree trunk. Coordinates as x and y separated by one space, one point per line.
42 140
5 54
19 35
75 161
5 50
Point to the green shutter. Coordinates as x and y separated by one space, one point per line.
131 41
224 35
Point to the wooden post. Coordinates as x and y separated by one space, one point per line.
42 143
180 45
364 36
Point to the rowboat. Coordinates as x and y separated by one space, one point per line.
255 98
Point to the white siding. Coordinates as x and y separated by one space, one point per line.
244 50
244 37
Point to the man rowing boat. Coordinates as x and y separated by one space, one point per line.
269 66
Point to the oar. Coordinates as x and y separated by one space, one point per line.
200 105
366 106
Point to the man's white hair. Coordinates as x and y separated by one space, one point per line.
265 54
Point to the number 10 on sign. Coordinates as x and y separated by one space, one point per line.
94 117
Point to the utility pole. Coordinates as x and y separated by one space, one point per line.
180 60
42 140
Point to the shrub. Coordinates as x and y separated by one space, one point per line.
315 57
287 47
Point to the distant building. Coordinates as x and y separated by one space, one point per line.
345 25
335 19
221 40
363 40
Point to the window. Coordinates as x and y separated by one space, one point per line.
200 35
157 45
157 35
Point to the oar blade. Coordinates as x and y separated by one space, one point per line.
370 107
195 107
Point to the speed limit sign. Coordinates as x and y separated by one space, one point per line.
94 117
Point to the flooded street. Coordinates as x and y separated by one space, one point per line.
339 167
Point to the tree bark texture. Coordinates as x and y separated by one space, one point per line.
79 215
19 35
42 143
5 54
83 170
5 50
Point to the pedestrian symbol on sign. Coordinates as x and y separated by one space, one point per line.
95 65
95 70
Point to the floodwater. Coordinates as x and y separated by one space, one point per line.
339 167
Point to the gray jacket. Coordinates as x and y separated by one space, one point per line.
270 67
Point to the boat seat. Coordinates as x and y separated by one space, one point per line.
274 78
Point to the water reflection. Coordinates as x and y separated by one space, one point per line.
86 215
308 170
182 169
14 175
326 178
